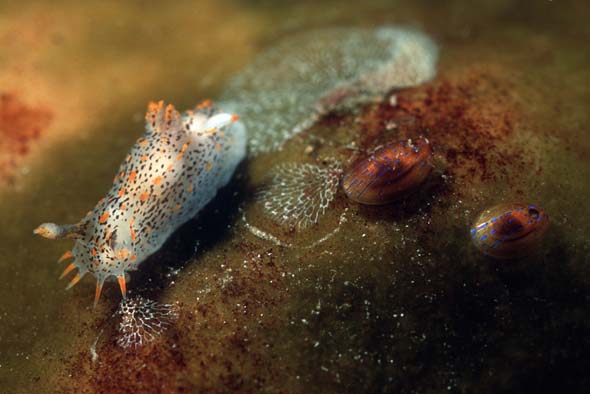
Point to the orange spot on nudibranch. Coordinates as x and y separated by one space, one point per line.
170 167
132 176
123 253
190 188
103 218
209 166
122 192
144 196
158 180
93 251
144 157
133 257
133 235
234 118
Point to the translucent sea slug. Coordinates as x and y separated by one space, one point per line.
288 87
511 230
390 173
169 175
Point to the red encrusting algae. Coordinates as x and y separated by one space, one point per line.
20 125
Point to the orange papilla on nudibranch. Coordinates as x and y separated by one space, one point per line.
510 230
390 173
169 175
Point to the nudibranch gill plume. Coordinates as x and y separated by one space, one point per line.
510 230
168 176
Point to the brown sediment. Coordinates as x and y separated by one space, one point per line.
468 116
219 344
20 125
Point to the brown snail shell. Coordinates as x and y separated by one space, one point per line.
510 230
390 173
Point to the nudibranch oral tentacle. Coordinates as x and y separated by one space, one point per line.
167 177
509 231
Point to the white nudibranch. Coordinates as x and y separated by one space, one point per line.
289 86
169 175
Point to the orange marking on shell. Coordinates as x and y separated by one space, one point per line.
103 218
132 176
158 180
390 173
144 196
